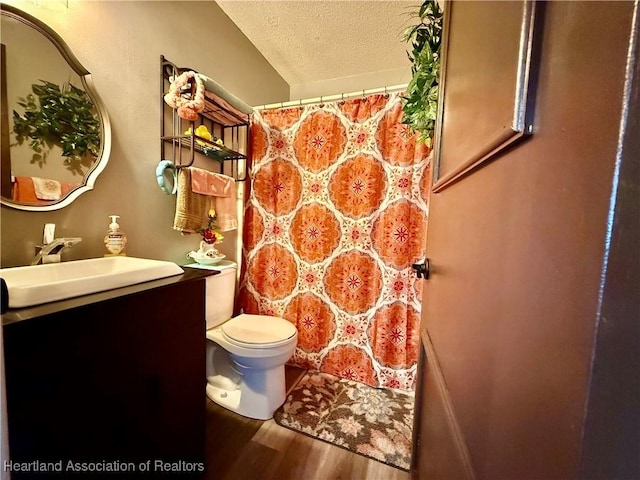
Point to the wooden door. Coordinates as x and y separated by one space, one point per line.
518 231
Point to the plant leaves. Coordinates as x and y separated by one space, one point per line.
420 106
64 116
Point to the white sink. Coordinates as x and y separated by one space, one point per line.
38 284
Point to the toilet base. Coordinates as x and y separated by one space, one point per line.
259 395
229 399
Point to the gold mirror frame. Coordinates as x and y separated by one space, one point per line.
105 127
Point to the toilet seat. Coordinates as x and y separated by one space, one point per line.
258 331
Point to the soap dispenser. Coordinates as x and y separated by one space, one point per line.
115 240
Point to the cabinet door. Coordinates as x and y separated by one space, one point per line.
120 379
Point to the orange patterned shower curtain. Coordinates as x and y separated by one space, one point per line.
336 215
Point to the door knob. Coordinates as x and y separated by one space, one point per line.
422 269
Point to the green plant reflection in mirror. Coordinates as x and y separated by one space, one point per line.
58 131
59 116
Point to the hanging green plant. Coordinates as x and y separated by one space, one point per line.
65 117
420 106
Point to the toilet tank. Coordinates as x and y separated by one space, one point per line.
219 297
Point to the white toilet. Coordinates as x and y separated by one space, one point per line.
245 354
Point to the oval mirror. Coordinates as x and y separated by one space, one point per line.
56 135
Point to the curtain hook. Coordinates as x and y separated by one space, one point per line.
362 93
321 103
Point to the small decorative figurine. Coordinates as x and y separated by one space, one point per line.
208 254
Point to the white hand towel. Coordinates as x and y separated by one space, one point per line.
47 189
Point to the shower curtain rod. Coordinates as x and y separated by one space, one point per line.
330 98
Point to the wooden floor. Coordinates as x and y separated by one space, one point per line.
240 448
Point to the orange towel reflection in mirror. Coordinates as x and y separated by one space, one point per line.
24 191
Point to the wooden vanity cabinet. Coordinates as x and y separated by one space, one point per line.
117 376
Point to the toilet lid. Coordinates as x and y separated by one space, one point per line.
258 330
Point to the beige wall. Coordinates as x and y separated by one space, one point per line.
120 43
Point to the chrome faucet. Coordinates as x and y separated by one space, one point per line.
49 251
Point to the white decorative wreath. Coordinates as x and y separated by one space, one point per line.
188 105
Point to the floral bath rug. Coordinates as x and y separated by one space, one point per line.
373 422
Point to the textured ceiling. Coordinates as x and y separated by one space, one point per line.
312 40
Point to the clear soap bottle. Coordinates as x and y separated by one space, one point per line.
115 240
